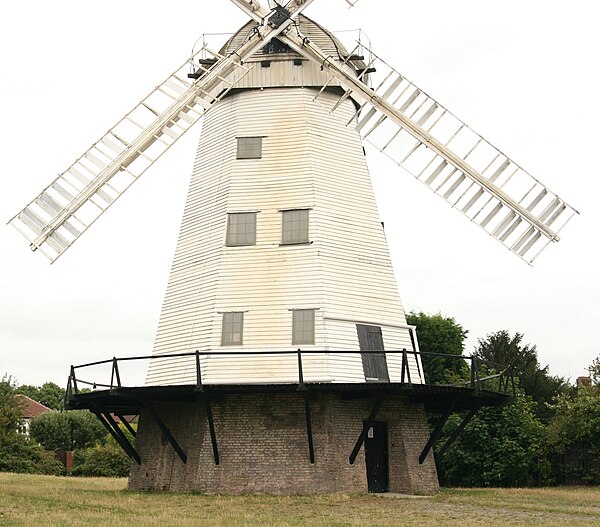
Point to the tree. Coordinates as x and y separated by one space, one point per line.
71 430
534 380
10 412
439 334
576 419
17 452
503 446
575 429
49 394
595 371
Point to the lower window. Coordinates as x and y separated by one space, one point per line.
233 329
303 326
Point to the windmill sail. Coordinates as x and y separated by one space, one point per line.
67 207
442 152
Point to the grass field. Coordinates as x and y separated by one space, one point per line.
51 501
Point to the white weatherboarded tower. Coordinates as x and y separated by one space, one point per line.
282 350
281 246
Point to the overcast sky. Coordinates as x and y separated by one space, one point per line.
523 74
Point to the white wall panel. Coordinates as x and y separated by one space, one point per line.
310 159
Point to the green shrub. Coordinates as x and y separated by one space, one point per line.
102 460
501 447
19 454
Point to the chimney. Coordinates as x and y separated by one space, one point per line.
583 381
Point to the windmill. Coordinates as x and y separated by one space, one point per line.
281 247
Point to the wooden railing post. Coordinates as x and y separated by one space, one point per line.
475 380
300 371
117 375
74 379
405 368
199 387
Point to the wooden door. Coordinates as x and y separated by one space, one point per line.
376 457
374 364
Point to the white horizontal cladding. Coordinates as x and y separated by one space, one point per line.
283 73
348 366
238 366
309 160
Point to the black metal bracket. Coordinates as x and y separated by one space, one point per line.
309 434
118 435
457 433
211 427
365 429
435 435
166 432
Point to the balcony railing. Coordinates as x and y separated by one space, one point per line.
484 375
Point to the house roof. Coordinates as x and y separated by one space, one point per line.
31 408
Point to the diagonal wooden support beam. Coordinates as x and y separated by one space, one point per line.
457 433
309 434
435 435
166 431
363 434
211 427
127 425
118 435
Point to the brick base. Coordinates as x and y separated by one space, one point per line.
263 446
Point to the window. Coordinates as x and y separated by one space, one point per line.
233 328
249 147
295 226
303 326
276 46
241 229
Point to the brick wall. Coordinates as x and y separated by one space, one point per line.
263 446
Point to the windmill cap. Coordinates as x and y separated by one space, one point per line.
316 33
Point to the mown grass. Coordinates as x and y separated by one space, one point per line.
50 501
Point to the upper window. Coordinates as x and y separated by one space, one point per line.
276 46
241 229
294 226
249 147
233 329
303 326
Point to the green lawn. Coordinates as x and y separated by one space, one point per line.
52 501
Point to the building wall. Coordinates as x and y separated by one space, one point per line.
310 159
263 446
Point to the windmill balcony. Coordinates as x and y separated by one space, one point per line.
100 379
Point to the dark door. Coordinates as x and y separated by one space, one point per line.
374 364
376 457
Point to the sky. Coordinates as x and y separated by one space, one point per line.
522 74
